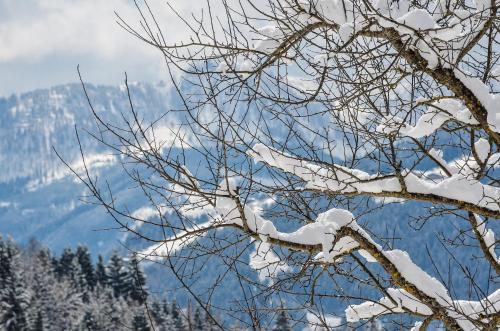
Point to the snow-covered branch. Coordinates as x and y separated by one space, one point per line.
333 234
457 190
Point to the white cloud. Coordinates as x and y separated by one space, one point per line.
31 29
42 41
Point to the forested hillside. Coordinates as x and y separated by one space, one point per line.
40 291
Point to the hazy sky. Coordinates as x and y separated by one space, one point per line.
42 41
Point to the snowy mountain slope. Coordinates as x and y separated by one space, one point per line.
38 196
33 122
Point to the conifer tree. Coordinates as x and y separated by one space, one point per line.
165 308
167 323
55 265
118 276
43 258
13 305
157 313
138 281
112 314
198 323
177 317
79 280
64 265
140 323
101 276
66 306
282 322
83 256
14 298
5 263
41 289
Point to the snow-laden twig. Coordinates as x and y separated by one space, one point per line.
400 302
439 112
176 242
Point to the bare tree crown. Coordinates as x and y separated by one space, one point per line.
304 116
